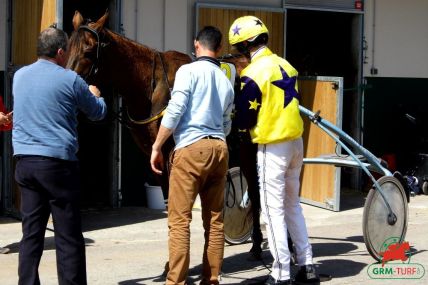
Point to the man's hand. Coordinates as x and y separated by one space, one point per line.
6 119
94 90
156 161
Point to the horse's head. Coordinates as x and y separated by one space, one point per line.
85 44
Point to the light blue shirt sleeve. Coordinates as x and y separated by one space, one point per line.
180 95
94 108
227 120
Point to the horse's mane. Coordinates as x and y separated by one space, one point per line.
77 39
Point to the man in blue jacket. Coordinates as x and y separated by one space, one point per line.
47 99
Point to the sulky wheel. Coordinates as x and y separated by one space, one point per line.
378 224
238 221
425 187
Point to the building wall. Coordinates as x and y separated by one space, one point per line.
169 24
396 34
3 27
395 31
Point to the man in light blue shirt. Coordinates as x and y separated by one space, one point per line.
198 115
47 98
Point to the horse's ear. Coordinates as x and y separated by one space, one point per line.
101 21
77 20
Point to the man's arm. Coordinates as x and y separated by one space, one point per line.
156 159
89 100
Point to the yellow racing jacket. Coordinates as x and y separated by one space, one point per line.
268 105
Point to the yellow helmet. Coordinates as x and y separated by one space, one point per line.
246 28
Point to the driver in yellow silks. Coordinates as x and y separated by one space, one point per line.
268 107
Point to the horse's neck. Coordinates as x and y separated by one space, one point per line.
129 65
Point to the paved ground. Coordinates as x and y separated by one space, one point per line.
129 246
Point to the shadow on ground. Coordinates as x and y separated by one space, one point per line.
49 244
110 218
239 268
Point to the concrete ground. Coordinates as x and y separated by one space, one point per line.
129 246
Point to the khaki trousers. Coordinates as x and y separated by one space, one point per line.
198 168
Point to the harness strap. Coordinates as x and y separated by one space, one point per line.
148 120
153 86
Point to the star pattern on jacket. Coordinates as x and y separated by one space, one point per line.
248 103
287 84
254 104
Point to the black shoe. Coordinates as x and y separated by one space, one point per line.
272 281
307 275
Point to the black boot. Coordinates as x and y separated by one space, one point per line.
272 281
307 275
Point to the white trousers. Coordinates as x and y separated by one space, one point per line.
279 167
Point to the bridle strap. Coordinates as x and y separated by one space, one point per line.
94 68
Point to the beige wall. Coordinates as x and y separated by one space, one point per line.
169 24
3 27
400 38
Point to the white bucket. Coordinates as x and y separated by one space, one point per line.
155 198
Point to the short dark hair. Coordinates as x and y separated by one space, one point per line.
50 41
210 37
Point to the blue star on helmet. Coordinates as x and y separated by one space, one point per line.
236 30
258 22
287 84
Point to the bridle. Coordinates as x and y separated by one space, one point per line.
94 69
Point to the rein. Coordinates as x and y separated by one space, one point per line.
153 85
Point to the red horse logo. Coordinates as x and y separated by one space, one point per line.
395 251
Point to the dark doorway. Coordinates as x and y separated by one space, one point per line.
324 43
92 10
327 44
97 142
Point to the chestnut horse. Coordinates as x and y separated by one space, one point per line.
144 77
141 75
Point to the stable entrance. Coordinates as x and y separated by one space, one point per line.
325 47
327 43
